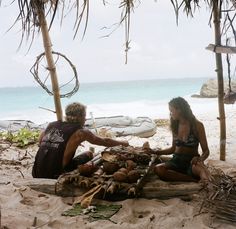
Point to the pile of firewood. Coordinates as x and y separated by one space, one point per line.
220 197
116 170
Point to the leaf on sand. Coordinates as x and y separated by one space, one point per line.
101 212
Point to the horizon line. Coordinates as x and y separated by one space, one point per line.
119 81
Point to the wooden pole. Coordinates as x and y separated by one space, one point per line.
51 64
219 70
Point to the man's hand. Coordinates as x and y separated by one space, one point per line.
158 152
125 143
196 160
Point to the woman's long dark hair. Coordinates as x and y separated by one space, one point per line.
182 105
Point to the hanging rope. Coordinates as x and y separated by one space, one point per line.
228 66
35 72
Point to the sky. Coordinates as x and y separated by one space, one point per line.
159 48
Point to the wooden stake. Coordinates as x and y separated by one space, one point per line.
219 70
51 64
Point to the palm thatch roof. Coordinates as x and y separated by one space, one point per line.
29 15
227 8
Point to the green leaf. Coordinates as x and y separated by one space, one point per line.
102 212
22 138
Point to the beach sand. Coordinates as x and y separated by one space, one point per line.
22 207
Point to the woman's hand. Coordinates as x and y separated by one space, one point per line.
154 151
196 160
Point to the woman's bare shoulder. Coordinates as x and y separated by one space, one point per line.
200 125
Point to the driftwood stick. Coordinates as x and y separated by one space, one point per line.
140 182
97 157
97 161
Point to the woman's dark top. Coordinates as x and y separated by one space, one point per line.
192 141
181 162
49 158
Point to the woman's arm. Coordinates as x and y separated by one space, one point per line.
167 151
203 141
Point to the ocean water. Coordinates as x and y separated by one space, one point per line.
133 98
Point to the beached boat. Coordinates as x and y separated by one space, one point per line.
15 125
115 125
123 125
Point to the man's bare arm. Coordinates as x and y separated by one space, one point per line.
41 137
96 140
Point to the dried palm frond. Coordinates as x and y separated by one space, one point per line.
29 13
220 197
226 9
189 6
127 6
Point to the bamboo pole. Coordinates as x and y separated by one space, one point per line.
219 70
51 64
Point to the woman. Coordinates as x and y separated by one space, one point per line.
186 163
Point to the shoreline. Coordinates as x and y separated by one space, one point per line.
153 109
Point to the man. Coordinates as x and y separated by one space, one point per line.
58 143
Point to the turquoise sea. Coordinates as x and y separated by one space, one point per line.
108 98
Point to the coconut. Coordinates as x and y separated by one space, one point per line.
133 176
123 170
87 169
119 176
130 165
110 167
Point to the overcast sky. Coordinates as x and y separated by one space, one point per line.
159 49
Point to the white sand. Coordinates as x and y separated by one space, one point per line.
19 206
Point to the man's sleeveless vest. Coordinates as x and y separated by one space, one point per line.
48 160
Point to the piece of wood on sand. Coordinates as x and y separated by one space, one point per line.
154 188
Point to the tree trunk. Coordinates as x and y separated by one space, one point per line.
51 65
219 70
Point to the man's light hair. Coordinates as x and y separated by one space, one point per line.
75 112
